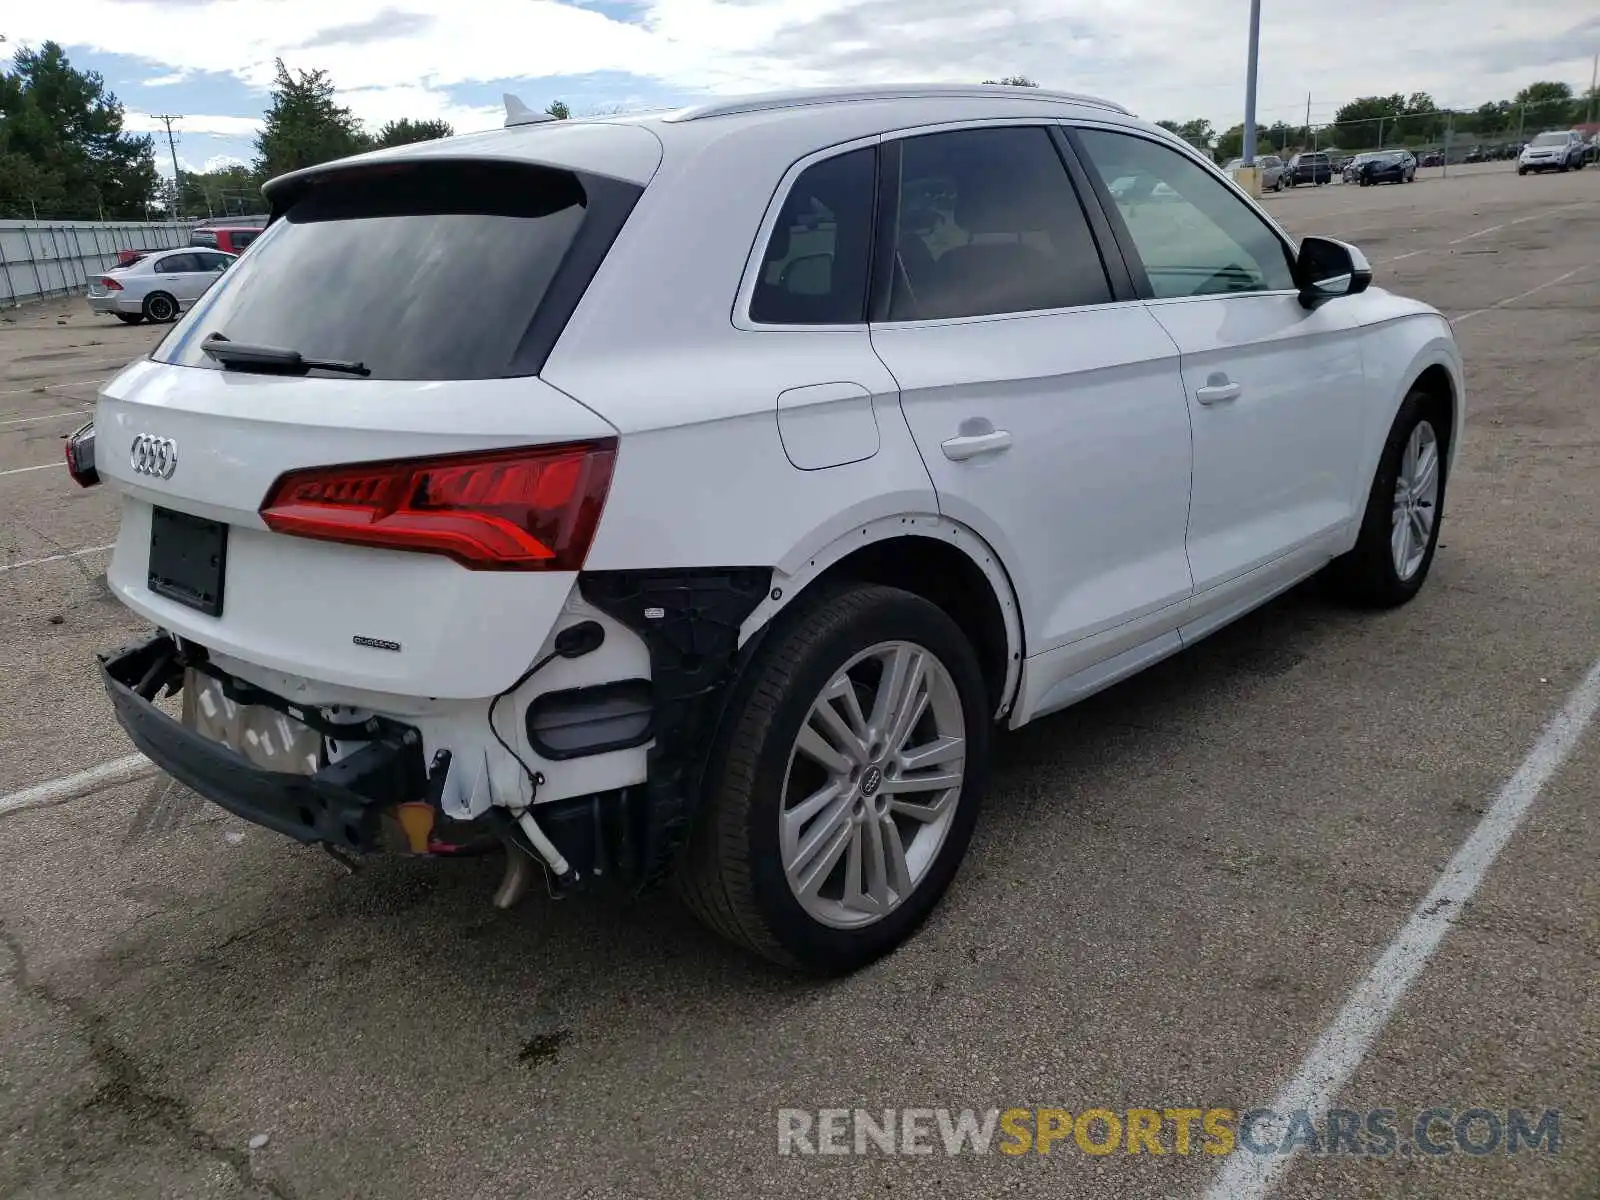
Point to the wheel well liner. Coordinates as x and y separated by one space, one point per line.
1435 381
944 575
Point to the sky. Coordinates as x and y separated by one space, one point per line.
211 61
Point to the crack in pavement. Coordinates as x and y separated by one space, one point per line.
126 1089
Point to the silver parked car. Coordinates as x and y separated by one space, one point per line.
157 287
1271 169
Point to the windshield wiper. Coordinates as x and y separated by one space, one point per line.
273 360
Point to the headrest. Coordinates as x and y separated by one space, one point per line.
997 205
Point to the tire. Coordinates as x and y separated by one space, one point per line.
733 874
1522 170
129 318
160 308
1369 576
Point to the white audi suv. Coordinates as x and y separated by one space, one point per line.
690 496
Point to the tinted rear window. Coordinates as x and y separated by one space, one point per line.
419 271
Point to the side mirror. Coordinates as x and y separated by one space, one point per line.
1326 269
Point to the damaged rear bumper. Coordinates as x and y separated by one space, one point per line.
340 805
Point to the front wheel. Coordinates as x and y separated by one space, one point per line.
1400 528
845 785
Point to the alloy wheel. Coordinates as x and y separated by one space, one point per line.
872 785
1416 500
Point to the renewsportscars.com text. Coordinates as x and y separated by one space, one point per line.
1432 1131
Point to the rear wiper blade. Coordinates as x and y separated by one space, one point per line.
273 360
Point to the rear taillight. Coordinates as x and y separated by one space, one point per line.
110 284
80 456
531 509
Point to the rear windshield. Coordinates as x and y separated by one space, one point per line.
417 270
1550 139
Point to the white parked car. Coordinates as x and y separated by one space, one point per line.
694 494
1555 150
158 286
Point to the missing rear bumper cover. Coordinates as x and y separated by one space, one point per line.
341 804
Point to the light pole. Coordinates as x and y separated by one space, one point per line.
1249 146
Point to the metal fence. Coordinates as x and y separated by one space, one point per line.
39 259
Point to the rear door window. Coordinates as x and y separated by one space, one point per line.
417 270
989 224
815 266
177 264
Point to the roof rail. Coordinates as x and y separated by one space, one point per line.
802 97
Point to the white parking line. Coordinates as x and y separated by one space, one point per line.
1345 1043
70 412
40 467
34 562
1482 232
1478 312
70 787
45 387
1538 216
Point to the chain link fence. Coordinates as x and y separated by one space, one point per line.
40 259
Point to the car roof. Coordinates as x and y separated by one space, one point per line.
632 146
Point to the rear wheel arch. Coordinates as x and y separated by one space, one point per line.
940 560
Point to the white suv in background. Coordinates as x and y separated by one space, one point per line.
1555 150
693 494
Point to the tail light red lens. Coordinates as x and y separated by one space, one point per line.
530 509
110 284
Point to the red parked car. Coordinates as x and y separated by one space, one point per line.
230 239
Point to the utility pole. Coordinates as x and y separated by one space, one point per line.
1594 82
177 179
1308 116
1249 146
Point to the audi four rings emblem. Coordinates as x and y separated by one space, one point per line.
153 455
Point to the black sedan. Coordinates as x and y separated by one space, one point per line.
1392 166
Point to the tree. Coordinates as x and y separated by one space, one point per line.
1230 144
1489 119
1544 105
1013 81
63 152
406 131
304 126
1360 124
1197 132
235 188
559 110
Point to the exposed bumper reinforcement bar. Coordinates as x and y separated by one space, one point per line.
339 806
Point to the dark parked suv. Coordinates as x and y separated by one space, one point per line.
1310 167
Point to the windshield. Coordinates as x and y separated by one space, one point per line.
1550 139
419 271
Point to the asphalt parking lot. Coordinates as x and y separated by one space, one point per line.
1175 889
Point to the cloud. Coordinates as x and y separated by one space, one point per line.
384 26
221 126
1164 58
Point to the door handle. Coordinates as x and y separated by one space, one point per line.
1219 389
959 449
